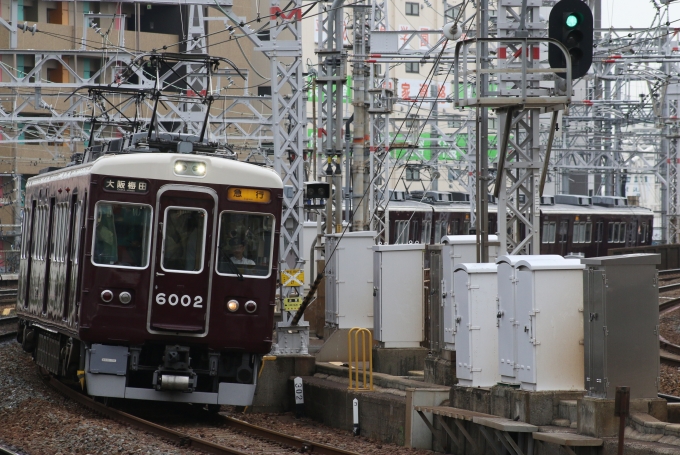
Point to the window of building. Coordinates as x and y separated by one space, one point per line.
412 67
412 9
58 14
452 13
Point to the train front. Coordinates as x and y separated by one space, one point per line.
179 289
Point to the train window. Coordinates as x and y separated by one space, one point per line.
402 232
39 232
76 232
599 231
25 236
414 230
427 230
122 235
245 244
589 232
466 227
548 234
454 227
184 239
438 232
564 229
622 232
578 233
56 228
446 228
643 231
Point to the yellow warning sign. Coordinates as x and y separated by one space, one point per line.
293 277
6 311
292 303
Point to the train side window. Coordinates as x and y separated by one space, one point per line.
438 232
25 236
446 229
622 232
577 233
245 244
414 230
548 234
610 237
454 228
402 231
427 230
599 230
122 235
643 230
564 229
76 231
589 232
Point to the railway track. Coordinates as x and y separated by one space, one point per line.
193 442
8 327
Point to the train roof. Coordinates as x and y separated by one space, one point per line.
593 210
161 166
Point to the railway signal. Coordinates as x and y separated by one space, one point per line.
571 23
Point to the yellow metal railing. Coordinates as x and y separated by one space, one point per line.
366 345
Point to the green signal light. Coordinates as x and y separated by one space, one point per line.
572 21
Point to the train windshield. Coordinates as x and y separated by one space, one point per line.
183 239
245 245
122 235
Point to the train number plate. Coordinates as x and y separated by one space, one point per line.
183 300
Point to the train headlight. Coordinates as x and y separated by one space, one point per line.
107 296
190 168
125 297
250 306
232 305
198 169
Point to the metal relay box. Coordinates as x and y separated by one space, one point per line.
475 290
398 295
621 325
548 312
458 249
349 279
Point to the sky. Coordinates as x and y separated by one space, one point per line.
634 13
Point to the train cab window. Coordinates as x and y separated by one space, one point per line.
245 244
122 235
184 239
548 234
402 231
426 232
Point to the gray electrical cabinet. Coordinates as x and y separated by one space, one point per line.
434 302
621 325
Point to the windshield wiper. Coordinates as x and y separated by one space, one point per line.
238 272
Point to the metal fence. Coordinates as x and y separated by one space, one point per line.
670 254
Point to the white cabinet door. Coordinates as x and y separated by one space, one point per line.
506 320
524 304
463 342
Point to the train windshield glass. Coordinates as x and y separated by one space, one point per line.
183 239
122 235
245 244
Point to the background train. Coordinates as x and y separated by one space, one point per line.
570 224
153 275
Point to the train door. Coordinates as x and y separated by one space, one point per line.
182 260
72 236
26 248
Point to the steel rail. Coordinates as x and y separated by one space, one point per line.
669 272
301 444
669 305
669 287
191 441
184 440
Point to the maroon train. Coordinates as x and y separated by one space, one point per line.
570 224
152 275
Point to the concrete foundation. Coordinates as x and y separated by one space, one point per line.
536 408
441 371
273 392
382 416
596 415
673 412
398 361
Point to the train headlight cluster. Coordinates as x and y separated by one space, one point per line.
190 168
250 306
232 305
125 297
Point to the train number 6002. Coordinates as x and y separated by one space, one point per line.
174 299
